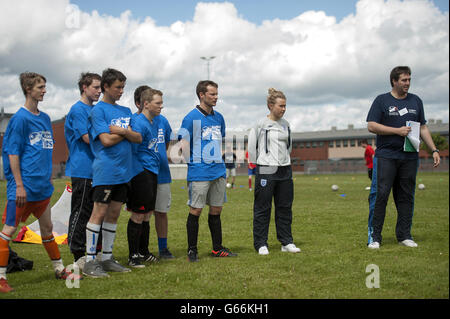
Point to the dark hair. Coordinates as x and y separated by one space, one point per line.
86 79
364 141
29 79
138 92
397 71
111 75
202 86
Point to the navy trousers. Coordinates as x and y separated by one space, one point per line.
279 187
400 176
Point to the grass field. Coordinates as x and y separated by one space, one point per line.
330 228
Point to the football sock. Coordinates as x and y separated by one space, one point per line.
249 182
134 231
144 238
109 234
162 243
192 230
4 254
92 234
52 249
215 227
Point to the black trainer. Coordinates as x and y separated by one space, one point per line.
149 258
166 254
192 255
223 252
135 262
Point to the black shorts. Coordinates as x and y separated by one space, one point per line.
106 193
143 192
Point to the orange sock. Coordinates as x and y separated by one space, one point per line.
51 247
4 249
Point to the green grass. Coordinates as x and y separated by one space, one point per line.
330 228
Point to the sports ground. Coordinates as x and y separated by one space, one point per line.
329 226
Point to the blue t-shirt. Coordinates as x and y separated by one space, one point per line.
79 163
164 137
147 151
204 132
112 165
30 137
387 110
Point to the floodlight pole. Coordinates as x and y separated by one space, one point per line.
207 59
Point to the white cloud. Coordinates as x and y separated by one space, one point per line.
330 71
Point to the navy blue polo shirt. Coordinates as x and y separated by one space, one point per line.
389 111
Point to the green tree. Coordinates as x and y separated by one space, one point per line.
439 141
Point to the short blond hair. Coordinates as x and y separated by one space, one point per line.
274 95
147 95
29 79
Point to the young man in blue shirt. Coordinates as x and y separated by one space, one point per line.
27 159
79 163
146 162
201 134
110 137
163 193
394 167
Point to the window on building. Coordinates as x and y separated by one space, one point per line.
331 144
321 144
302 145
352 143
338 143
308 144
345 143
314 144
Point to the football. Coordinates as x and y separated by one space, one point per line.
421 186
228 185
334 187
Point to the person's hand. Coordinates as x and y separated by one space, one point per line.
404 130
116 130
21 196
436 159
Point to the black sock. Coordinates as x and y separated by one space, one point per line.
192 231
133 234
78 254
215 227
144 238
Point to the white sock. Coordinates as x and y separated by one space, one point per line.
58 265
3 272
109 234
92 233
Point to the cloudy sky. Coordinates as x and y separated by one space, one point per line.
331 58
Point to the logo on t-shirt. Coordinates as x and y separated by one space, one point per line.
393 110
122 122
161 138
153 144
43 138
211 133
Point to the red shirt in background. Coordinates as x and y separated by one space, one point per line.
368 154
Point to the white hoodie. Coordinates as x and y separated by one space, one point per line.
270 143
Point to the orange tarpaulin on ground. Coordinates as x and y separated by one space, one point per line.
60 218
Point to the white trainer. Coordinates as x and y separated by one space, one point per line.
290 248
374 245
263 250
408 243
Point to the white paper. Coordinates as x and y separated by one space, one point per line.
414 134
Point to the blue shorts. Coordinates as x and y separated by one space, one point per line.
252 171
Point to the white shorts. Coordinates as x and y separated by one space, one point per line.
212 193
163 198
231 171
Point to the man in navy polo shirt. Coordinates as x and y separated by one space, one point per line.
201 132
393 167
